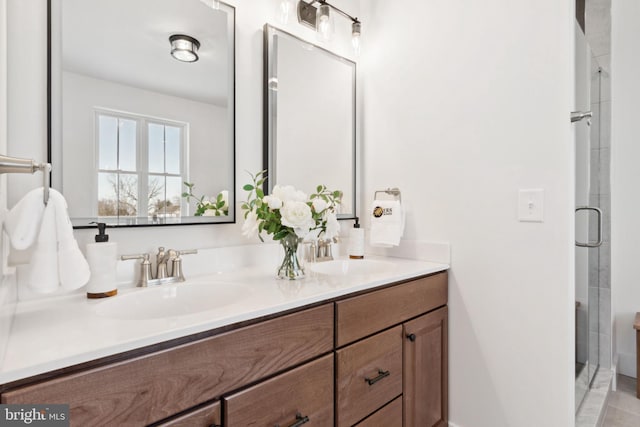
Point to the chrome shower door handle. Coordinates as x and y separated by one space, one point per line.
597 243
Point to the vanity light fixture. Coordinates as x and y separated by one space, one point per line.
320 18
184 48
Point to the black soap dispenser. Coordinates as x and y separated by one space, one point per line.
102 257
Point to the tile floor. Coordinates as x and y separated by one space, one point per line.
623 408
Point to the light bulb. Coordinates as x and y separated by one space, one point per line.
356 29
285 10
324 23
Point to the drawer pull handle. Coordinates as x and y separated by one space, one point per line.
300 419
381 375
411 337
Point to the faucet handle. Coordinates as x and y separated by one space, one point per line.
145 268
176 263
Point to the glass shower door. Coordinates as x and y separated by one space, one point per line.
588 219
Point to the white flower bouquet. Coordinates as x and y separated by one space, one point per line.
290 212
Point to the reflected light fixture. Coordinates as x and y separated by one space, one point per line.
318 14
184 48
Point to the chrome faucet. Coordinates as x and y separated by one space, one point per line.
319 250
163 259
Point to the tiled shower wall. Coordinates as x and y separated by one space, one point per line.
598 32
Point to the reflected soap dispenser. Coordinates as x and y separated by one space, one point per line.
102 257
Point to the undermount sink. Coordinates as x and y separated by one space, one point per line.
170 300
351 267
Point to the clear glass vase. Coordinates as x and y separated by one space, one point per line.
290 267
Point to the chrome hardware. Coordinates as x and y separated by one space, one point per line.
163 258
300 419
145 268
381 374
598 242
576 116
10 164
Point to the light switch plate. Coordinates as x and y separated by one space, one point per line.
531 205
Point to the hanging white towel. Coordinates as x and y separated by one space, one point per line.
56 260
387 223
23 221
73 268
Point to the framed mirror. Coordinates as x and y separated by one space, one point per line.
310 117
142 101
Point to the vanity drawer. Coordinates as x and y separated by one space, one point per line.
369 375
367 314
306 391
387 416
156 386
207 416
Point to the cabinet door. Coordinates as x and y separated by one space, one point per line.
301 396
207 416
425 370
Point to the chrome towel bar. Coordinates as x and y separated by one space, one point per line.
19 165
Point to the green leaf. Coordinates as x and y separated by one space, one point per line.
259 192
247 187
185 194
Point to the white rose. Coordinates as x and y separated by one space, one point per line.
319 205
272 201
210 212
297 215
250 225
287 193
333 226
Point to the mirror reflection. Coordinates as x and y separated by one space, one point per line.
142 102
310 117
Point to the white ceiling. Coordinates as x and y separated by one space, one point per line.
127 42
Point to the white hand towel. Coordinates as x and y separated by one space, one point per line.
73 268
43 266
23 221
387 223
56 260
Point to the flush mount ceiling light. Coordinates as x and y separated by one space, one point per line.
320 18
184 48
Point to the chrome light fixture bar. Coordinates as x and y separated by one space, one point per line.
319 18
184 48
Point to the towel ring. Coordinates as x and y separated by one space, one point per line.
393 192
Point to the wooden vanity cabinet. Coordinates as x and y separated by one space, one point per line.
376 359
159 385
408 322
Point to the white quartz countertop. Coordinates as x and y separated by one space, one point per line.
55 333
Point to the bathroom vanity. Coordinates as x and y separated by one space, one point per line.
373 355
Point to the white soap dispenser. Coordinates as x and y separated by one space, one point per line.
356 241
102 257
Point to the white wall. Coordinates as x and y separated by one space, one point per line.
210 157
625 177
464 104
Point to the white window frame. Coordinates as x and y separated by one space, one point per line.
142 155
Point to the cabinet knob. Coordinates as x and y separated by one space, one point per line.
411 337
